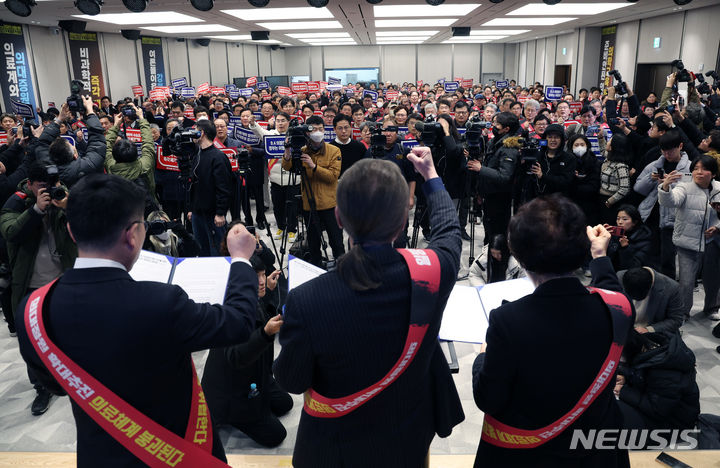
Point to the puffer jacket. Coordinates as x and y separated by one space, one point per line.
644 185
693 215
636 253
478 274
498 169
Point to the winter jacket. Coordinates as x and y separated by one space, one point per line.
141 169
278 175
323 179
636 253
586 187
498 169
478 275
558 173
693 214
660 383
648 187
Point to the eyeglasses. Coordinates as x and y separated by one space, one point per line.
145 223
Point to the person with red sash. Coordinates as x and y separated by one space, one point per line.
548 365
361 340
121 349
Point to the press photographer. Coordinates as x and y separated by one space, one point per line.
168 237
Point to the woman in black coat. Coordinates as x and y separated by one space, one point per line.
632 248
238 381
586 184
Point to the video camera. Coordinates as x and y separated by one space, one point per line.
682 75
297 138
243 159
430 131
53 177
531 151
474 136
705 87
620 87
180 143
74 101
129 112
159 226
378 141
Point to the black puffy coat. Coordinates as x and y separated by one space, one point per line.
586 187
637 252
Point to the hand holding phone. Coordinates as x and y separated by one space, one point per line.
616 231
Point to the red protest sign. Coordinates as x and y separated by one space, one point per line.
575 107
3 138
156 94
391 95
467 83
313 86
284 91
356 133
188 112
571 122
419 83
299 87
217 90
251 82
523 98
458 79
203 88
137 90
165 162
323 84
134 135
231 154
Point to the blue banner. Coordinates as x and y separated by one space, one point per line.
187 92
16 81
179 83
451 86
402 131
22 109
553 93
350 92
409 144
235 120
245 136
258 116
274 146
370 93
501 84
334 87
334 81
153 61
263 85
234 93
246 92
329 134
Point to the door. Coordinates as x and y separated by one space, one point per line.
562 75
651 77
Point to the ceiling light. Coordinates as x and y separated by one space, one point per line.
567 9
190 28
280 13
242 37
89 7
317 3
330 39
332 43
509 32
546 21
455 41
202 5
403 11
476 38
258 3
405 33
135 5
20 7
496 1
301 25
398 42
403 38
156 17
317 35
402 23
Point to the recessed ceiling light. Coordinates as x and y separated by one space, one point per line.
329 39
317 35
403 23
547 21
244 37
259 14
478 38
541 9
398 42
331 43
405 33
142 18
195 28
301 25
403 11
403 38
457 41
492 32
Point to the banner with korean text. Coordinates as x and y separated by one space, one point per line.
86 65
607 55
153 62
16 81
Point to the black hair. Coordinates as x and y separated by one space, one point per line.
714 137
508 119
461 104
620 148
223 112
634 214
60 151
497 269
659 122
443 101
37 172
208 128
100 207
274 107
256 263
670 140
124 151
341 117
637 283
708 163
548 235
314 120
587 108
200 109
451 123
357 107
415 116
284 114
287 100
308 106
178 104
643 124
540 117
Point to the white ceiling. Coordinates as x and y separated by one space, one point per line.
357 19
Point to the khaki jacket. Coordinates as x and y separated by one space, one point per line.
323 179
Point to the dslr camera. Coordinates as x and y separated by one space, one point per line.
129 112
378 141
620 87
74 101
53 177
430 130
682 74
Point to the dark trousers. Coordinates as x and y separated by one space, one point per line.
207 234
6 304
323 220
285 205
267 430
31 373
496 215
463 212
255 191
667 252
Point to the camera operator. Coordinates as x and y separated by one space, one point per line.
52 149
321 162
168 237
40 249
351 150
495 174
210 193
122 157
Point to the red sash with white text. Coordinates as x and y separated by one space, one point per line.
425 275
153 444
496 433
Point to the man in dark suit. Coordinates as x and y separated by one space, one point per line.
134 337
657 300
545 350
343 331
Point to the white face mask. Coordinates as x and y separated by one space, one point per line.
163 236
579 150
317 137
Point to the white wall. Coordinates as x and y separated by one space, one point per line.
398 63
52 69
177 64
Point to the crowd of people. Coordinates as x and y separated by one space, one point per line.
643 174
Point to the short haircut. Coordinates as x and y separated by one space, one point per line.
508 119
60 151
357 108
548 235
208 127
200 109
587 108
708 163
272 104
100 208
670 140
314 120
124 151
461 105
714 140
637 283
633 212
286 100
178 104
340 118
416 116
283 114
37 172
444 102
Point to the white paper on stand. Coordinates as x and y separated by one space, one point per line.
203 279
151 266
300 272
492 295
464 319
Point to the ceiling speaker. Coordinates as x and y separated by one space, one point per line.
461 31
130 34
202 42
260 35
73 26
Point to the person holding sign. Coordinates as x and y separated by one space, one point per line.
343 332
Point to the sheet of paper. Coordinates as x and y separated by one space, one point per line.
300 271
492 295
203 279
464 318
151 266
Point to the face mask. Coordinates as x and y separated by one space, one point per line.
579 150
202 117
163 236
317 137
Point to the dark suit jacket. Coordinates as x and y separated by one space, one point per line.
339 341
543 352
665 310
136 338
